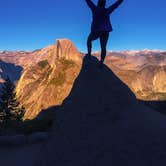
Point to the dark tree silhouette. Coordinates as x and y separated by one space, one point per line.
10 109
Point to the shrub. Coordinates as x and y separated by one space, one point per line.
59 79
67 63
43 63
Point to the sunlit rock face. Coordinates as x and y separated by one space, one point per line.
143 71
44 77
49 81
66 49
159 81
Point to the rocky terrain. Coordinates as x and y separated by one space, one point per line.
49 81
99 123
44 77
143 71
99 120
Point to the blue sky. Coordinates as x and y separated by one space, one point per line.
33 24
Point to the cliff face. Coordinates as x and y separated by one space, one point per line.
159 81
49 81
152 81
144 72
47 74
65 49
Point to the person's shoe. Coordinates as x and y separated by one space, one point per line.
100 64
89 56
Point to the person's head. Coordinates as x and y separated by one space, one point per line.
101 3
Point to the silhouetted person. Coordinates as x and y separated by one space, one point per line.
101 25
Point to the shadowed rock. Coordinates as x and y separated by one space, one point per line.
102 123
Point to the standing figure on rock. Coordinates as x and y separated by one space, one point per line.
101 25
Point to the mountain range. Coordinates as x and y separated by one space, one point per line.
44 77
99 123
143 71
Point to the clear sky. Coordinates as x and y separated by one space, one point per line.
33 24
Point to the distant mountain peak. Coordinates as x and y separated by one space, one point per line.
50 78
139 52
66 49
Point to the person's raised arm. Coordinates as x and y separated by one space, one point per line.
114 6
90 4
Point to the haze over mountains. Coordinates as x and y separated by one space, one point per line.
45 77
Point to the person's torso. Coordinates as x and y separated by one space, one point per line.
101 20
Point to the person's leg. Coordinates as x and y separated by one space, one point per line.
92 36
103 42
89 45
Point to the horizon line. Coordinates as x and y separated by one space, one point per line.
119 51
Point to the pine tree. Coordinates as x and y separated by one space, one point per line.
9 106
